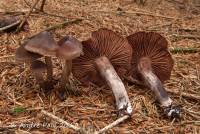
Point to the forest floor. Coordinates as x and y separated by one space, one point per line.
21 99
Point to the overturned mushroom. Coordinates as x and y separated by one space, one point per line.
102 52
152 63
43 44
69 49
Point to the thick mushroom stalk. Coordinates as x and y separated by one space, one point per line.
108 72
153 82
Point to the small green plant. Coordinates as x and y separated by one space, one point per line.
18 110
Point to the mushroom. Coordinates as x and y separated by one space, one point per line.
22 55
152 64
43 44
69 49
105 52
38 68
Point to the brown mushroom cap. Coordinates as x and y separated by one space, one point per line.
107 43
154 47
43 44
69 48
22 55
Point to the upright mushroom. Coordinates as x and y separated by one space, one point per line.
69 49
38 46
37 67
152 63
43 44
105 52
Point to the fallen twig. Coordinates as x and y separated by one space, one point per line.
187 36
44 13
6 56
184 50
150 14
187 95
77 129
42 5
137 12
191 122
9 26
26 17
65 23
49 14
118 121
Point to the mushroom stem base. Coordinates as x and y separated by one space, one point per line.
49 68
108 72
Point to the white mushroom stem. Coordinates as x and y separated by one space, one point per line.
153 82
65 73
49 65
108 72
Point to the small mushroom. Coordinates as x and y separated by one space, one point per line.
105 52
39 68
69 49
43 44
22 55
152 64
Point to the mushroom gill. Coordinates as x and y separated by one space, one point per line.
153 46
107 43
